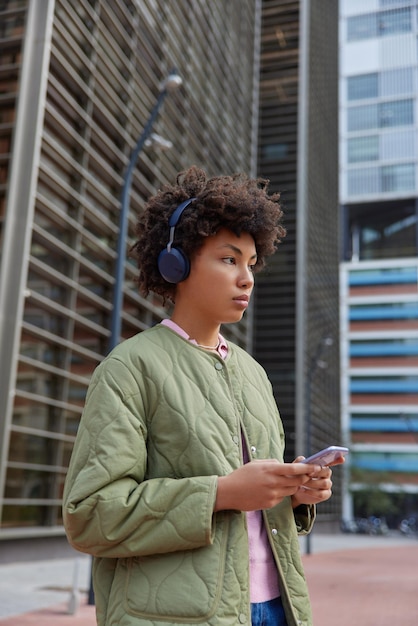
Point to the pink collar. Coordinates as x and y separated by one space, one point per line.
222 347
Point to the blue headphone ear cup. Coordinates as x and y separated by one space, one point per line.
173 265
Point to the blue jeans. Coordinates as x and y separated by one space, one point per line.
269 613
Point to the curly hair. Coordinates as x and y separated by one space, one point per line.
237 202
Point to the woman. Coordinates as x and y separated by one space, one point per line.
177 484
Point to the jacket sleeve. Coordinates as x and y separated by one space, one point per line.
110 509
304 517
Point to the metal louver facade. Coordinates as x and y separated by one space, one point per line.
78 82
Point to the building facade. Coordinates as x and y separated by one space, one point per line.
78 86
379 300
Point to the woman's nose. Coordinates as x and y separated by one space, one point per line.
246 278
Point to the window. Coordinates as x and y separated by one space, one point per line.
383 115
390 3
396 21
385 422
276 151
363 181
364 86
387 179
387 231
387 275
397 82
385 462
362 117
384 348
389 83
384 311
396 113
361 27
363 149
399 144
398 177
379 24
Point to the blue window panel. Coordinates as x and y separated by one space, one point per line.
361 149
363 86
385 462
363 181
380 24
398 348
276 151
367 385
394 21
396 113
383 425
408 310
396 82
380 115
362 27
364 117
399 177
384 277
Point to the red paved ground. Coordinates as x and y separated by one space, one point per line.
54 616
357 587
373 587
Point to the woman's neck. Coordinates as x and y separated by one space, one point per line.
206 336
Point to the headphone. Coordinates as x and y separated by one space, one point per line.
173 264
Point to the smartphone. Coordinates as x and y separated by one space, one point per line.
327 456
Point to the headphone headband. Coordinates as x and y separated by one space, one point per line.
177 213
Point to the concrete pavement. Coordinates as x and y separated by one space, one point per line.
366 581
353 579
35 585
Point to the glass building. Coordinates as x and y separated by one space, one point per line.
379 198
79 82
296 331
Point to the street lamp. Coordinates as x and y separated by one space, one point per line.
158 142
171 83
147 138
315 363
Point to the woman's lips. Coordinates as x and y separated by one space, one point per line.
242 301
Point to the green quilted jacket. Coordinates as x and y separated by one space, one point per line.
163 418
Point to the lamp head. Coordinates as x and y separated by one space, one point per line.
173 81
158 142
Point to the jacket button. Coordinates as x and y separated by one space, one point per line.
253 449
235 439
242 618
274 531
218 365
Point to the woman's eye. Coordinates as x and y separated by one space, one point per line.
229 259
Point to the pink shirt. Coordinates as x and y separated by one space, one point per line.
264 581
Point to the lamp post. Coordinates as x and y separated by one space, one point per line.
147 138
315 363
171 83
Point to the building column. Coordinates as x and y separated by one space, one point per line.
20 206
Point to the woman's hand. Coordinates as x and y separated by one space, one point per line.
318 488
262 484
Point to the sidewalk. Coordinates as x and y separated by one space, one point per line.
372 584
353 579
